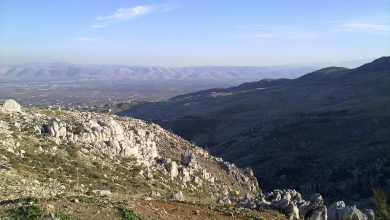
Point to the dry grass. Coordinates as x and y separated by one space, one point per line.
381 201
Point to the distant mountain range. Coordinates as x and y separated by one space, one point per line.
45 72
327 131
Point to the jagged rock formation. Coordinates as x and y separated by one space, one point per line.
291 203
339 211
138 140
153 155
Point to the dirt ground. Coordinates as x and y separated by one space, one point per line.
107 209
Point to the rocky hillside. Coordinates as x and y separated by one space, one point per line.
74 165
87 151
327 131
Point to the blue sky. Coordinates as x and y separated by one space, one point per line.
193 32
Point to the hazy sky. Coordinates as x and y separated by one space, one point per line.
196 32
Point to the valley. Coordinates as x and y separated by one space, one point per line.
326 131
194 110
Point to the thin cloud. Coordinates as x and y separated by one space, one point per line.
365 27
122 14
125 14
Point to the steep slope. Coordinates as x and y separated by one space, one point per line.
327 131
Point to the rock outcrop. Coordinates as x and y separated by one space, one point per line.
131 138
339 211
11 106
106 135
237 174
291 203
177 196
124 146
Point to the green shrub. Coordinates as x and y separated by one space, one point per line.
22 200
128 214
78 128
63 216
380 198
26 212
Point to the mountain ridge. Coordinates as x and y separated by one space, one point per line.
46 72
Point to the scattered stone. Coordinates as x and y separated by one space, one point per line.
75 200
177 196
224 200
152 194
102 192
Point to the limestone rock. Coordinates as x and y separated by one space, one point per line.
189 159
285 201
370 214
334 208
286 206
171 167
185 174
11 106
224 200
339 211
55 128
102 192
249 202
290 202
198 181
177 196
351 212
238 175
207 176
319 213
316 200
151 153
107 136
152 195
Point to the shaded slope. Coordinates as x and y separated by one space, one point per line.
323 132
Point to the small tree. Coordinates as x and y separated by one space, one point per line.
380 198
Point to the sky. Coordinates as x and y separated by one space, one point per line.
193 32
